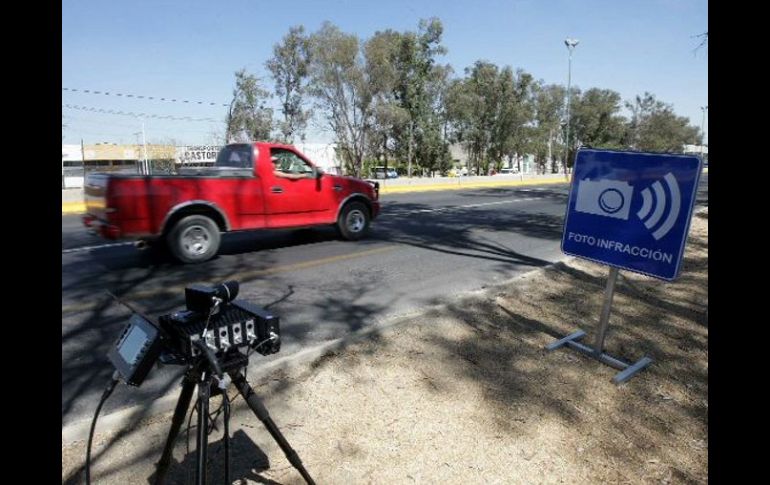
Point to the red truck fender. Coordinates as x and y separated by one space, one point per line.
179 211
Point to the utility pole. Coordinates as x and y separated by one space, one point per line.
146 162
83 159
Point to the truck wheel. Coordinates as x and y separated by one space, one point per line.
194 239
354 221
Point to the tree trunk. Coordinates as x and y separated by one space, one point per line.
385 154
409 151
550 141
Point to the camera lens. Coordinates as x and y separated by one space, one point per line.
611 201
227 291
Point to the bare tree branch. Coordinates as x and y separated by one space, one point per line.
703 42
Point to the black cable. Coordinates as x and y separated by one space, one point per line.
189 423
138 96
107 391
135 115
213 417
226 404
246 367
262 343
215 414
187 438
248 354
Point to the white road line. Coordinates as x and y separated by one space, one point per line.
88 248
468 206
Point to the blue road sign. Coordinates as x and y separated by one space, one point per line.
631 210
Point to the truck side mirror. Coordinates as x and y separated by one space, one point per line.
317 173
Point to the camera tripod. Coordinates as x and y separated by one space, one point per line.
201 374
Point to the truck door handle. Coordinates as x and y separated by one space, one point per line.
276 190
338 187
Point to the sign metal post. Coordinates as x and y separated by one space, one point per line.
627 210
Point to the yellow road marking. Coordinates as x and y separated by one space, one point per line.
178 289
73 207
475 185
80 207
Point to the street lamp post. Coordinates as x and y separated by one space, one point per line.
146 162
702 128
571 44
229 121
145 166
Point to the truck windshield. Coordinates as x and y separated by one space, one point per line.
235 156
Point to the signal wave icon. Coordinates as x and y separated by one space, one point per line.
654 206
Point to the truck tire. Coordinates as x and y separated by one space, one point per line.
353 222
194 239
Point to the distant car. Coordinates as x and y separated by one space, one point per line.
381 173
508 171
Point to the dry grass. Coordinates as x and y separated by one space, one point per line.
467 394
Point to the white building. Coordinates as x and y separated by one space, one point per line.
460 159
696 149
71 166
324 155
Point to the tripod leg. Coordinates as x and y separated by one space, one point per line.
259 409
201 443
226 438
182 405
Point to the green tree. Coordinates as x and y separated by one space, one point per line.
596 121
515 128
472 105
380 52
289 70
432 150
415 92
345 87
491 110
250 119
655 127
549 104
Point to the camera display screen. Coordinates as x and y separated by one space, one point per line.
136 350
133 343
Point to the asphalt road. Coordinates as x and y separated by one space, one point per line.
424 249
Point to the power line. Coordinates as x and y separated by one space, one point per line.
78 119
137 115
137 96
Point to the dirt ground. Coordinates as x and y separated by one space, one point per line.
467 394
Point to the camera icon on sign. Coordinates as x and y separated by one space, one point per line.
608 198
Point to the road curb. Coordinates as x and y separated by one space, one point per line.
133 416
474 185
73 207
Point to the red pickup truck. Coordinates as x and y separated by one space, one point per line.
251 186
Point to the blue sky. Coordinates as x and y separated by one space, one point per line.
191 49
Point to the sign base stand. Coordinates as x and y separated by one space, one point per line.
627 370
